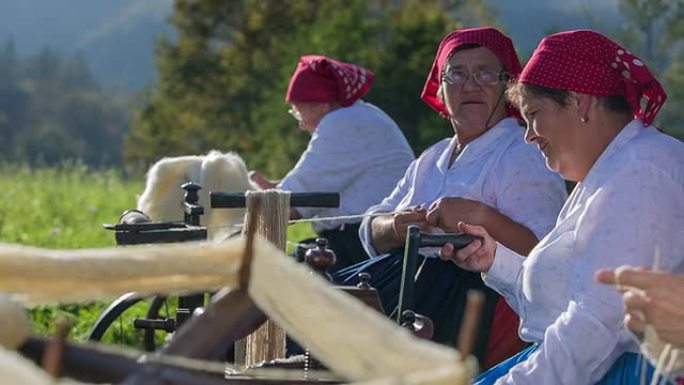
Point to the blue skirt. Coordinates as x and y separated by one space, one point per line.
626 370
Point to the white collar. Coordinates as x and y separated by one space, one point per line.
479 145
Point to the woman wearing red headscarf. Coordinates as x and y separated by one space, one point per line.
484 173
580 95
355 149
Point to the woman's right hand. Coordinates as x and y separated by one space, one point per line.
654 298
477 256
388 231
260 180
405 218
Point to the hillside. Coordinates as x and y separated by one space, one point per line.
116 37
527 21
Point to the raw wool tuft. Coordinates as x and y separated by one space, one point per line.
39 276
226 173
163 197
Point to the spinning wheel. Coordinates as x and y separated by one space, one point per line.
167 314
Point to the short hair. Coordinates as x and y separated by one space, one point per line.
517 92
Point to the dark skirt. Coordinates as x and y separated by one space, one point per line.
627 370
440 293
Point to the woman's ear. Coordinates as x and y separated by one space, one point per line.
583 103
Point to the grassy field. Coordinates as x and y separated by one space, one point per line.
65 207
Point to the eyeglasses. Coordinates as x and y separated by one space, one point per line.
455 76
295 114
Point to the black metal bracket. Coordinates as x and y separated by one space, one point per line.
415 239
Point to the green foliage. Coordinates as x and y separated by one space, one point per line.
672 116
222 82
654 30
51 110
65 207
673 113
60 208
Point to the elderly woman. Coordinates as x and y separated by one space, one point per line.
355 149
484 174
580 95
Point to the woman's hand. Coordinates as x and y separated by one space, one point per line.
446 213
650 298
260 180
388 231
477 256
414 216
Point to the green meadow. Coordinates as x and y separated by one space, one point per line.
65 207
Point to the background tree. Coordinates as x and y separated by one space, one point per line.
673 74
222 81
654 30
52 111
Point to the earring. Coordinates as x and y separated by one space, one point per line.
583 119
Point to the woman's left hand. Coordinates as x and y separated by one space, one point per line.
651 298
446 213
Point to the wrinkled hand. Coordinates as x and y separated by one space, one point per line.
477 256
405 218
260 180
446 213
650 298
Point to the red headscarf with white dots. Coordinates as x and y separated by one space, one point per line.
318 79
588 62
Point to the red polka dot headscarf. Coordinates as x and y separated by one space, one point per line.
490 38
587 62
318 79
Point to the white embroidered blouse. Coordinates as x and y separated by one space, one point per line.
357 151
498 169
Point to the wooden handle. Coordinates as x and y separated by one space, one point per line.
470 325
52 356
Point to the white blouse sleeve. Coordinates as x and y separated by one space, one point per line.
624 222
327 164
505 275
389 204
